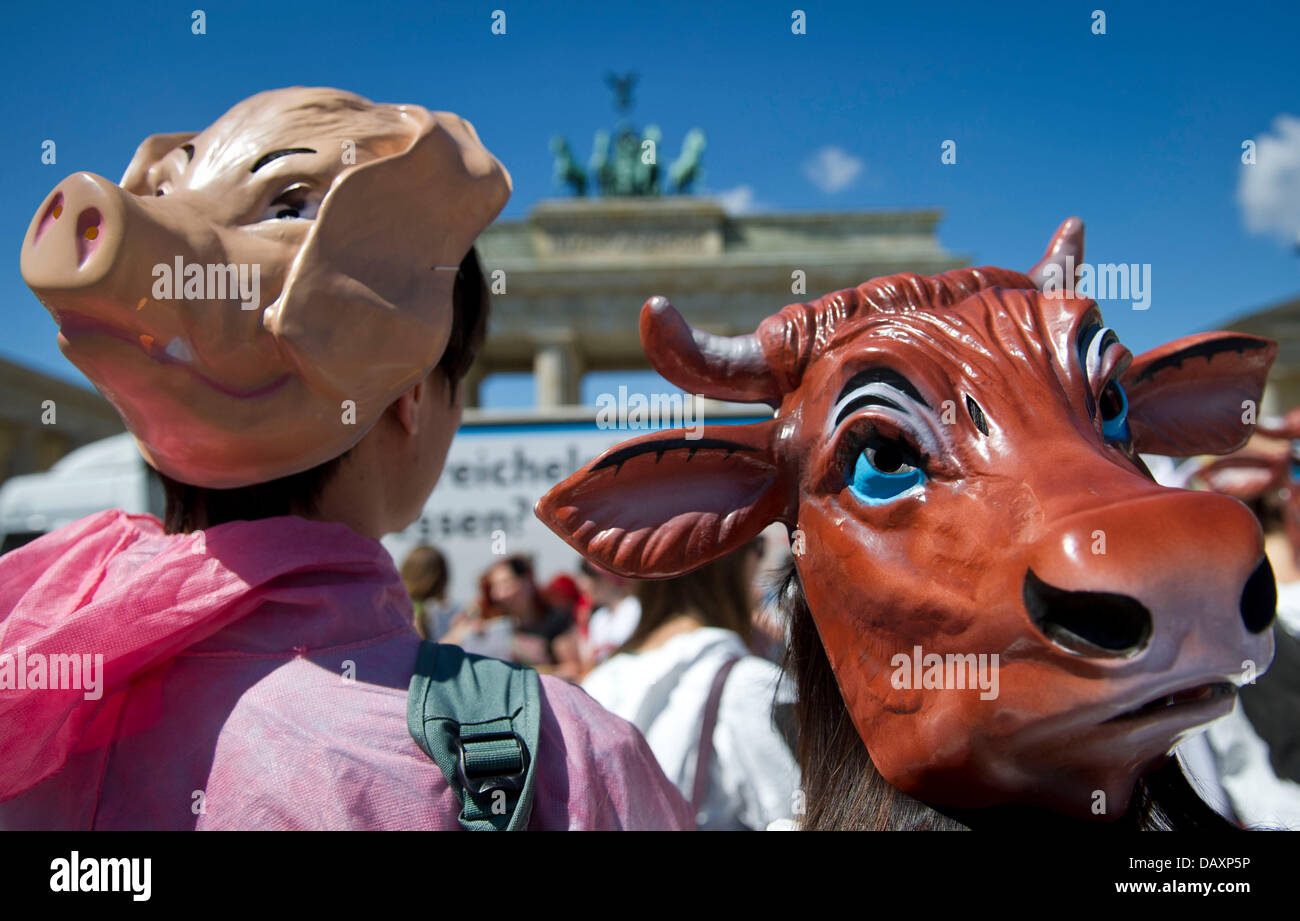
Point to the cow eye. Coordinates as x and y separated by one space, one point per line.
295 203
885 469
1112 403
1113 407
1095 341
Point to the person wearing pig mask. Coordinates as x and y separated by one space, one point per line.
282 308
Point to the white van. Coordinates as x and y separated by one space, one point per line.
109 473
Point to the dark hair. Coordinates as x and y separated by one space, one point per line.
717 593
522 566
843 790
1269 510
190 508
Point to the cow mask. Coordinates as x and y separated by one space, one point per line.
957 459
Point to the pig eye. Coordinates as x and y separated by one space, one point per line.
295 203
885 469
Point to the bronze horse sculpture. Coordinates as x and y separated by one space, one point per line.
957 460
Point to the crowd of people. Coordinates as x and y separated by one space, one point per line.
693 662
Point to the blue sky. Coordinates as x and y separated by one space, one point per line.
1139 131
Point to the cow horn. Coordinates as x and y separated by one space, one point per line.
722 367
1067 244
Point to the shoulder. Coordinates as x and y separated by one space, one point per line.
754 675
611 778
309 746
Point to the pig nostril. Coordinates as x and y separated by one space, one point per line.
1087 623
52 213
88 234
1259 598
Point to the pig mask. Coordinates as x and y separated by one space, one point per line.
345 220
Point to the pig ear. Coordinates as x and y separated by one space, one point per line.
151 150
1244 476
366 309
1198 395
663 504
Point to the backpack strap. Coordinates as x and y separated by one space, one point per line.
479 719
704 751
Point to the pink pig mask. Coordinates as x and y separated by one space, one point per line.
345 219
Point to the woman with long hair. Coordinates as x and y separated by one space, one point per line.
707 706
424 573
512 621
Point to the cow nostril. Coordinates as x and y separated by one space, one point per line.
1259 598
88 233
1087 623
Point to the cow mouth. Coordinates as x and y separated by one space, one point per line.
74 325
1170 703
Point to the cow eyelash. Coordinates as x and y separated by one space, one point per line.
1108 402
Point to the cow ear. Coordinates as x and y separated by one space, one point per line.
1244 476
151 150
663 504
1197 395
366 309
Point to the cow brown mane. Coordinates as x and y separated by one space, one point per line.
799 333
844 791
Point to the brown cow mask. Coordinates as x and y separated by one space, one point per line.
958 459
252 297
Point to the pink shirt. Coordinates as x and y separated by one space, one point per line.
254 676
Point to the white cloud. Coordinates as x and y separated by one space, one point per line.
1269 190
739 200
832 169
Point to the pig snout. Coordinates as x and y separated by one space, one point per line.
93 248
73 239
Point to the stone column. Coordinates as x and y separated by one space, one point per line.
557 372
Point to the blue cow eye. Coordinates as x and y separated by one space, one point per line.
1113 406
884 470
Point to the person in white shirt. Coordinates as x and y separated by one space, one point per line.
615 612
716 716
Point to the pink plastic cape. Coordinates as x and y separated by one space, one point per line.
253 676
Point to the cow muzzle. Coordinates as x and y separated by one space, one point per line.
1171 574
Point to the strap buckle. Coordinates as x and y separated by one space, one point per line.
513 782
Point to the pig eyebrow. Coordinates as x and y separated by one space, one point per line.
276 154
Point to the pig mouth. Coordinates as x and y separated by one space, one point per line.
74 325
